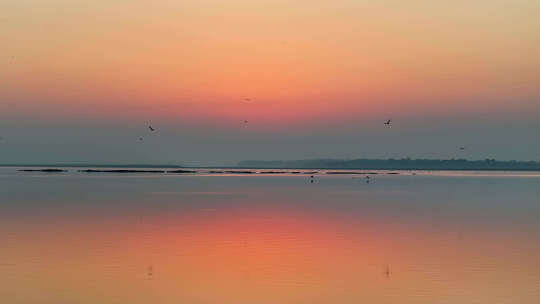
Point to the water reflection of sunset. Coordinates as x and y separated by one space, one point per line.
261 254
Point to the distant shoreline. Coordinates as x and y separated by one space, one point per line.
396 164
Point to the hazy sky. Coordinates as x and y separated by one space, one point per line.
81 80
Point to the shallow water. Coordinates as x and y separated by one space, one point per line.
431 237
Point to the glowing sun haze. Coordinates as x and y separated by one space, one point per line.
312 69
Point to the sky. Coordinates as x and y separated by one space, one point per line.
80 81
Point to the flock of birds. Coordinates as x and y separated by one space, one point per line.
387 123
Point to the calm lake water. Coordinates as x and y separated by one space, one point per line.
432 237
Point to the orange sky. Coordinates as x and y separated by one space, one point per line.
328 72
199 60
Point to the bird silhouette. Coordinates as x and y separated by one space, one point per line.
151 129
388 122
462 148
245 121
387 271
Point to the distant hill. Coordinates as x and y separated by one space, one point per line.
395 164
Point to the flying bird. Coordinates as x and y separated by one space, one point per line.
388 122
387 271
245 121
462 148
151 129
